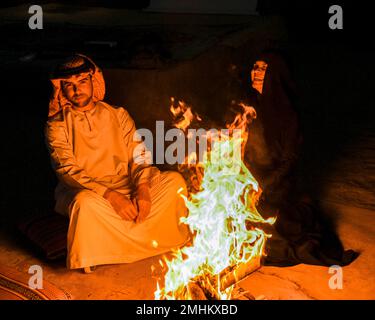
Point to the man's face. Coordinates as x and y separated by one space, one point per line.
78 89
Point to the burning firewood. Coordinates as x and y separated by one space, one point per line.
203 288
196 292
228 242
239 272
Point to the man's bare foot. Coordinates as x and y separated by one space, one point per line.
89 269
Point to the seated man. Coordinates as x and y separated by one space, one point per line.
121 209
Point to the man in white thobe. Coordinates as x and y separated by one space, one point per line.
121 209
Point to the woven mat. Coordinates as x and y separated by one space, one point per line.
14 286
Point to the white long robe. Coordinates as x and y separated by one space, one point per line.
92 151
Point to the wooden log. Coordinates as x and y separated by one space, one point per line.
196 292
204 288
230 276
238 273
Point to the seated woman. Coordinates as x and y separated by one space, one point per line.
302 234
274 141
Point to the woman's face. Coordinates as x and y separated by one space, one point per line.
257 75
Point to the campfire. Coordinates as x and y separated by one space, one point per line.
228 241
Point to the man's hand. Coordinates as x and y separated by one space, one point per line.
121 204
143 201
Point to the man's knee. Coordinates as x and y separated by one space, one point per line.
83 199
176 183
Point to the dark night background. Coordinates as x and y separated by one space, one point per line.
333 70
189 56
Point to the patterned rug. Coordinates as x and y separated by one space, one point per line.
14 286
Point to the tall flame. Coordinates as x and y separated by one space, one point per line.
223 218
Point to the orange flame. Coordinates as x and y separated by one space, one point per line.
222 215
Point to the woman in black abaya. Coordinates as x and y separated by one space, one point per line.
302 233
